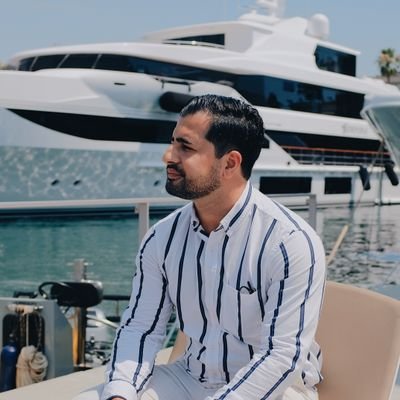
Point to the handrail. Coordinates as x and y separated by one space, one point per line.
140 206
104 321
334 150
333 156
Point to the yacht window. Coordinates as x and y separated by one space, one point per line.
159 68
298 96
101 127
214 39
25 64
114 62
285 185
257 89
335 61
285 138
337 185
46 62
79 61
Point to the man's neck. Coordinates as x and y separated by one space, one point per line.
212 209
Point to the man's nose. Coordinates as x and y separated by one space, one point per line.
168 155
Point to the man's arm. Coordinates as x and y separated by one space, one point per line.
142 328
291 316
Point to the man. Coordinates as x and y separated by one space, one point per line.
244 274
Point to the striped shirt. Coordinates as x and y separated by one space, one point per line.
247 296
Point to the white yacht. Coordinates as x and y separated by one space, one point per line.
92 121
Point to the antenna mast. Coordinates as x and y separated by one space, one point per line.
275 8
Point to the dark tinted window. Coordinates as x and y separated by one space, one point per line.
25 64
284 185
215 39
103 128
45 62
257 89
114 62
297 96
159 68
335 61
79 61
337 185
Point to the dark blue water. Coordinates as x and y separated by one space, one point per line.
39 249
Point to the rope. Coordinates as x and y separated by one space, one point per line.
32 363
338 242
31 366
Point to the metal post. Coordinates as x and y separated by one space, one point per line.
79 327
144 219
380 194
80 338
80 269
312 210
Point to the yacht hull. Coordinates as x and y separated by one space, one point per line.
41 164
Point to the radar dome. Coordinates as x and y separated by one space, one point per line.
318 26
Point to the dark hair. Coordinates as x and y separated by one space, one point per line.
235 125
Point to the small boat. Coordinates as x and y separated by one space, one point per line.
353 369
66 323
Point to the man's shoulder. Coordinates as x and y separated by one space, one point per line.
175 217
284 217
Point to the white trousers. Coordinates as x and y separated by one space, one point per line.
170 379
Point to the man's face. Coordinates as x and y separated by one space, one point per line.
193 171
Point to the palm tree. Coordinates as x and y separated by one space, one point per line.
389 63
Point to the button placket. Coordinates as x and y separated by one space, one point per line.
211 261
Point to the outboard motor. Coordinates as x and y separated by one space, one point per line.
81 295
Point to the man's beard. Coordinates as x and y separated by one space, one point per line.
194 188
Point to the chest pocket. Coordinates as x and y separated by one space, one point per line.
241 315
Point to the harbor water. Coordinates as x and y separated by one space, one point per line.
34 250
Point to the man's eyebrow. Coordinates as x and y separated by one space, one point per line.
180 140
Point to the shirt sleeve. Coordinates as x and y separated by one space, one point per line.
143 327
292 311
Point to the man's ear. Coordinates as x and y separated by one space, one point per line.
233 163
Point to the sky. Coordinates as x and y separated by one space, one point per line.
364 25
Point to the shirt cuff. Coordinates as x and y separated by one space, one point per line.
119 389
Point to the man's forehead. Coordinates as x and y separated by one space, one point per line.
193 125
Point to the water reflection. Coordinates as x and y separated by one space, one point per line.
363 258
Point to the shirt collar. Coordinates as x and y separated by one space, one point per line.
233 215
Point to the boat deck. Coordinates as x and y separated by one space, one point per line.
68 386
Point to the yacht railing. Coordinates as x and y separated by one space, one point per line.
140 206
177 81
315 155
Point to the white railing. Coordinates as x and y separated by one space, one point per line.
140 206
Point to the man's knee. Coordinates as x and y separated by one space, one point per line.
149 394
